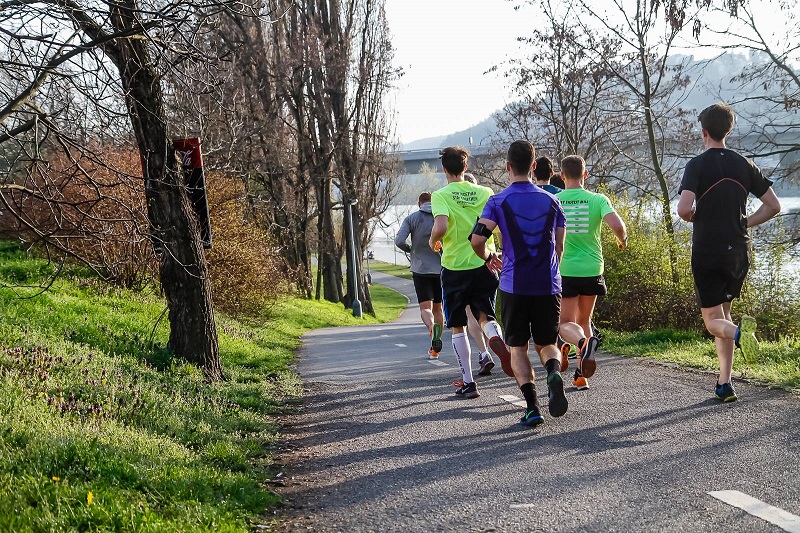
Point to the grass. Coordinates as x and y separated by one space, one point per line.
104 430
401 271
778 363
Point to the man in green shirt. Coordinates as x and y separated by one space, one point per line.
582 264
466 279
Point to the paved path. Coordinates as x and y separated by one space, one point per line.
382 445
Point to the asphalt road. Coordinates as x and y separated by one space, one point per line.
382 444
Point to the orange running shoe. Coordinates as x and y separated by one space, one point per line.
433 355
500 349
586 353
565 349
580 382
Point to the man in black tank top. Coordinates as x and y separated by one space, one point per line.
713 196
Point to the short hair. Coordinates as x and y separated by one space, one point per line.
454 160
470 178
717 120
544 168
573 167
424 197
521 154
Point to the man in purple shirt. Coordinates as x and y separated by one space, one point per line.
532 224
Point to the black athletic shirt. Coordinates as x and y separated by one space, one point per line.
721 179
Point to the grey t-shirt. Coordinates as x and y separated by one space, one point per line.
419 225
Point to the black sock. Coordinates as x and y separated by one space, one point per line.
529 392
552 365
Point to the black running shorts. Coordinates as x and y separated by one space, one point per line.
526 317
475 288
572 286
428 287
718 278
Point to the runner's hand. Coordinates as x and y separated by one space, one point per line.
438 246
495 263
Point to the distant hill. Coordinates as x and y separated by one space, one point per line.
713 81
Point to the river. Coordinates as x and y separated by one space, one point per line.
383 248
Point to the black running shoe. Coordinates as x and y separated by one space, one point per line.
725 392
532 418
555 391
467 391
587 350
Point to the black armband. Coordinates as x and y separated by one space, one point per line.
480 229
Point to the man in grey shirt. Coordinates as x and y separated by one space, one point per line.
426 269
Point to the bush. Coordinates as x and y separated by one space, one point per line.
245 268
642 296
641 293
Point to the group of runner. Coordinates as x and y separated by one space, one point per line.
551 263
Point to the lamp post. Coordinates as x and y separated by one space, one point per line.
370 255
352 270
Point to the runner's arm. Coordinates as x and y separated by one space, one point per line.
770 206
402 235
438 231
686 206
479 241
618 227
561 234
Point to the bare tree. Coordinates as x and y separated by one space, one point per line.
116 53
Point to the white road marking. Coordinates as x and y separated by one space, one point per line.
384 335
774 515
399 345
513 400
524 506
437 362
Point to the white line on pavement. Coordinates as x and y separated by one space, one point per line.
384 335
524 505
513 400
400 345
774 515
437 362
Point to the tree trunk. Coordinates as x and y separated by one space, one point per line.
174 230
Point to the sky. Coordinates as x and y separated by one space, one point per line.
444 48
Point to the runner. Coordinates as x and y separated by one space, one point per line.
425 269
485 361
466 280
531 224
714 194
582 264
543 171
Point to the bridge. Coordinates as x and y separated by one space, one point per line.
414 159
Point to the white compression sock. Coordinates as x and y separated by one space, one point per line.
492 329
462 349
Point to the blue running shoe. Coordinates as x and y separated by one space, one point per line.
555 392
725 392
532 418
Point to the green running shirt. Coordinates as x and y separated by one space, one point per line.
462 203
583 252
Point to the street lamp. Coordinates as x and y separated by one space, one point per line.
352 270
370 255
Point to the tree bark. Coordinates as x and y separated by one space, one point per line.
174 230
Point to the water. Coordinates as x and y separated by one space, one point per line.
383 247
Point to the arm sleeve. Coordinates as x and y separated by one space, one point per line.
439 205
605 205
690 181
759 184
402 235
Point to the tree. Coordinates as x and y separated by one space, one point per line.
116 53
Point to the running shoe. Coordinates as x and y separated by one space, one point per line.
565 349
555 392
588 349
570 353
597 334
485 365
580 382
746 338
532 418
725 392
436 338
467 391
500 349
434 356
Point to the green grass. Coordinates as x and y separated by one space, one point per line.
104 430
401 271
778 364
